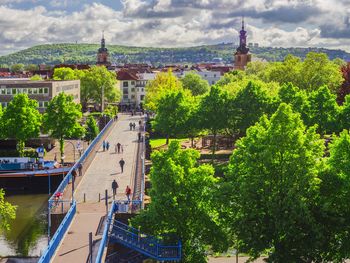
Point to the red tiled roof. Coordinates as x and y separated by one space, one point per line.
126 75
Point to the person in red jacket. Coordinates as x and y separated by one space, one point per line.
128 192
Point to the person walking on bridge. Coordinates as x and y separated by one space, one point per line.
118 147
122 163
114 188
128 192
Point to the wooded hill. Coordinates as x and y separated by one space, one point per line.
86 54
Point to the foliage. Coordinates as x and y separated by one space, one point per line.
31 67
182 189
54 54
36 78
323 110
17 68
312 73
111 111
94 81
91 129
21 120
272 187
7 212
195 84
164 82
344 114
61 119
213 111
345 87
173 111
246 108
64 74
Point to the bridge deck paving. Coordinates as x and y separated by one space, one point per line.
98 177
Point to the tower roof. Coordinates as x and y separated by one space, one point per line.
103 44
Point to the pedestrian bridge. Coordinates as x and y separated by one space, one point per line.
88 226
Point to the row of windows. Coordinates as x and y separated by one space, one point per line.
126 97
14 91
126 90
67 87
41 104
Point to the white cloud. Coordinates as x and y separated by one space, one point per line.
178 23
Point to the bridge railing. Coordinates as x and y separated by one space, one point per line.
145 244
56 239
68 177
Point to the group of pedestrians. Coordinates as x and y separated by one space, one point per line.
105 145
132 126
115 187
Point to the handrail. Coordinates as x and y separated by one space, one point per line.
56 239
105 235
68 176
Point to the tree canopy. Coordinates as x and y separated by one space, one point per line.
195 84
183 189
61 119
21 120
7 212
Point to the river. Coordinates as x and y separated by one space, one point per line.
28 234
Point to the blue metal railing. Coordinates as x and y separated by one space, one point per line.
56 239
103 243
145 244
68 177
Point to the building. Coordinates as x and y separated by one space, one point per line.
102 54
242 56
41 91
133 87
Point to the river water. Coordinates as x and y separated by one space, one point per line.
28 234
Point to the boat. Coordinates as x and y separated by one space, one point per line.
30 174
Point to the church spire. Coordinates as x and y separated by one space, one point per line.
242 22
103 43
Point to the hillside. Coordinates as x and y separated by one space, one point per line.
86 54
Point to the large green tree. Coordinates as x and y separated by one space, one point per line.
61 119
17 68
64 74
98 81
7 212
91 129
213 112
195 84
164 82
272 187
173 111
21 120
182 203
323 110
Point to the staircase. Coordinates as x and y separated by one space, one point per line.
146 245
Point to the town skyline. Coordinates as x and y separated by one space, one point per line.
174 23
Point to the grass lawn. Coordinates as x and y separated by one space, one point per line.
161 141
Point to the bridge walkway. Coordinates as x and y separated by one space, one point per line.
97 178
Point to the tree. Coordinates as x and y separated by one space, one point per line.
17 68
7 212
155 88
98 80
21 120
61 119
317 71
273 186
31 67
345 87
195 84
173 111
246 108
183 189
344 114
333 212
213 112
323 110
64 74
36 78
91 129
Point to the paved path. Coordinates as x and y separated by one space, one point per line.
98 177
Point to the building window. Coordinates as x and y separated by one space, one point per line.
46 90
132 97
213 82
8 91
41 90
30 91
132 89
3 91
35 91
125 84
125 97
125 91
46 103
14 91
214 75
133 83
4 104
142 97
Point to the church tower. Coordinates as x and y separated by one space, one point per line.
102 54
242 55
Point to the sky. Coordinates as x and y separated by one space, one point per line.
174 23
